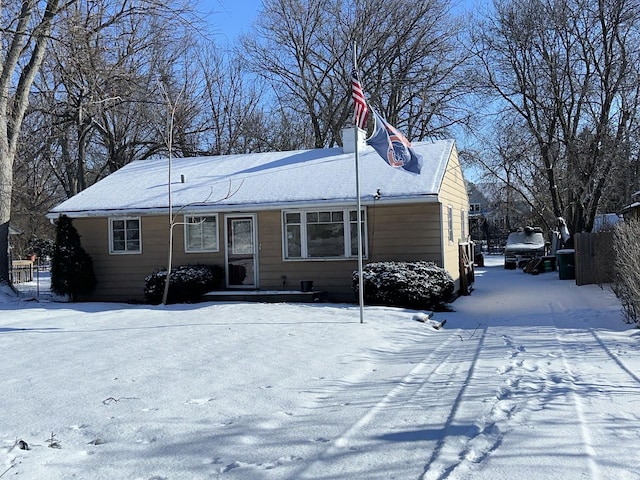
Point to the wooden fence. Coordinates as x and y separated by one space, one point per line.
594 257
466 255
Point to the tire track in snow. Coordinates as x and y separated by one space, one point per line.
577 403
439 466
406 389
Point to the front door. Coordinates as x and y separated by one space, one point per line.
241 251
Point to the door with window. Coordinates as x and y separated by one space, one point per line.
241 251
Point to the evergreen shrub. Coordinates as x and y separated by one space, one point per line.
71 266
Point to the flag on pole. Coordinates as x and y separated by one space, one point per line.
361 111
393 146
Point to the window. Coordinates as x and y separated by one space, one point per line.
322 234
474 208
125 235
201 233
450 220
463 230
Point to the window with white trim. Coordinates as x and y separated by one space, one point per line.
463 223
318 234
201 233
125 235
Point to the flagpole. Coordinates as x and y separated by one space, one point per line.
359 213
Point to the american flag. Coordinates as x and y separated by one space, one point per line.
361 112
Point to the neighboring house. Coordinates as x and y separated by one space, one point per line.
605 221
271 219
632 211
478 210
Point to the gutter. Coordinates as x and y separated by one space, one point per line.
191 209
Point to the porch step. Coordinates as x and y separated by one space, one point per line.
268 296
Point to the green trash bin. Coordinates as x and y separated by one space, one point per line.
566 263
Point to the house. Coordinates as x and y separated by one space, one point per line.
271 219
632 211
478 208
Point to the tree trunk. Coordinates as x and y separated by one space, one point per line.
22 61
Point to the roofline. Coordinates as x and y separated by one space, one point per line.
427 198
628 208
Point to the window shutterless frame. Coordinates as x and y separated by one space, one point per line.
450 223
201 233
322 234
125 236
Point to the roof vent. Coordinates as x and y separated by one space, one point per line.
349 141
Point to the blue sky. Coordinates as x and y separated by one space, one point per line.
229 18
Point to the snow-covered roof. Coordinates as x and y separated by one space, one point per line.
629 207
260 181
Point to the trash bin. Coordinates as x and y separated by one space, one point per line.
566 263
549 262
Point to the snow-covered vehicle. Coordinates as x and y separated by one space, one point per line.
522 246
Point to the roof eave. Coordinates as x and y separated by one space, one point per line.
120 212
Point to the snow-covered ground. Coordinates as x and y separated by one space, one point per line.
532 377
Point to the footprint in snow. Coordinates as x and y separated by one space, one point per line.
199 401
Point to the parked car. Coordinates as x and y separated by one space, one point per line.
522 246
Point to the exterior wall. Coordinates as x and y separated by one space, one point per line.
453 193
121 276
398 232
405 233
332 276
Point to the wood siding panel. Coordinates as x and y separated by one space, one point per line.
395 233
121 277
404 233
332 276
453 192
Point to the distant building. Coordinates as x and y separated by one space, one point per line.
632 211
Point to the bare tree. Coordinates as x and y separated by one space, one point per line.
568 70
510 162
232 104
36 189
98 87
408 57
25 33
97 44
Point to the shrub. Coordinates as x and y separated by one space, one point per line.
186 285
41 247
71 266
418 285
626 283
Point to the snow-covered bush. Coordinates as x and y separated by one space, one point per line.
186 285
626 283
419 285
